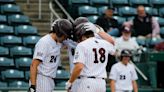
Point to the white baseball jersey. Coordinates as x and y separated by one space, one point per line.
121 44
71 45
71 50
48 51
123 76
93 53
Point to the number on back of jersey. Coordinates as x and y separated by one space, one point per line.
53 59
100 51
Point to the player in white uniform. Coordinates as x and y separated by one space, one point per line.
123 75
46 57
90 61
98 33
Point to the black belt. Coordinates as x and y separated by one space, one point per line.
91 77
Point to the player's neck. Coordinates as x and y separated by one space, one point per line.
124 63
54 37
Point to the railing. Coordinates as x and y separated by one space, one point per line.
40 9
53 12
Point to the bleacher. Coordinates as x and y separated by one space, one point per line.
17 40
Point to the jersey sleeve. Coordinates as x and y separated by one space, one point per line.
70 43
113 73
136 46
40 51
134 74
111 48
79 55
97 36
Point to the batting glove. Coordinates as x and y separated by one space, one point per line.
68 85
90 27
32 88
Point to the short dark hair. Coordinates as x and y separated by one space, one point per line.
88 34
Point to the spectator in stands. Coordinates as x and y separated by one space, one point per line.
144 24
126 41
107 22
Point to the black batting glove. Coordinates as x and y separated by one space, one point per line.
32 88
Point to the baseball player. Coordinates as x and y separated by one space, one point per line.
123 75
90 61
46 57
98 33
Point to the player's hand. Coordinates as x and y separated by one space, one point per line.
68 86
32 88
90 27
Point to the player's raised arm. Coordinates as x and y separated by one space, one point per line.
98 30
104 35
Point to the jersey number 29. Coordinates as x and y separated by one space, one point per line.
102 58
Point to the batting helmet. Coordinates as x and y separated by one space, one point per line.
81 29
126 52
80 20
62 27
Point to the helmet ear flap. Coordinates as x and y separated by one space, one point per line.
57 29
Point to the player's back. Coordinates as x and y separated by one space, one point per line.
95 56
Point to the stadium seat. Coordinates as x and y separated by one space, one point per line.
12 74
151 11
3 19
101 10
141 41
127 11
4 51
99 2
116 3
87 10
130 18
10 9
27 75
138 2
153 41
20 51
6 62
17 19
62 74
160 21
7 1
157 3
162 32
3 84
161 12
92 18
10 40
80 2
23 62
120 20
4 29
114 32
30 40
25 30
19 84
61 84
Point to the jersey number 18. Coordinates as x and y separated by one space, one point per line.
102 58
